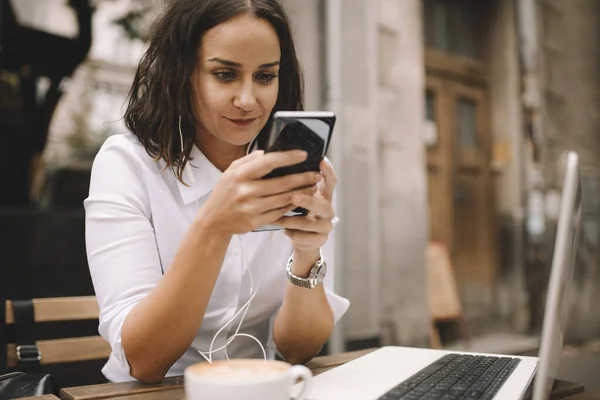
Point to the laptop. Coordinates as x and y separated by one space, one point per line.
394 372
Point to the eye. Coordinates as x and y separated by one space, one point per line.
224 76
266 77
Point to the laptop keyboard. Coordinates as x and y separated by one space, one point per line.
456 376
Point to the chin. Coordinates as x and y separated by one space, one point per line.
239 137
238 140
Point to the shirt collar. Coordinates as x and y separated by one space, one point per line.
205 174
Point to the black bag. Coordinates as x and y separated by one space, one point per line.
16 385
27 382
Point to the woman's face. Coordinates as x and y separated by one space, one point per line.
236 80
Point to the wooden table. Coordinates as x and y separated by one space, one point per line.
172 388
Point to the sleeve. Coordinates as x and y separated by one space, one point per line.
121 247
339 305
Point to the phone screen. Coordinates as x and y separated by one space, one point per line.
310 134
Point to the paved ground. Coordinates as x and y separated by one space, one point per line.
499 343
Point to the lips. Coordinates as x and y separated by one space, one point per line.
242 121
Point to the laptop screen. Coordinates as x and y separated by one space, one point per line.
563 264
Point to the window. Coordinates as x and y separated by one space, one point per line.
467 123
452 26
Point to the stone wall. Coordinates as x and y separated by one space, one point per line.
380 116
403 183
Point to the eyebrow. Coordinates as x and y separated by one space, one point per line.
238 65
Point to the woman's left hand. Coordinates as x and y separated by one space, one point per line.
309 233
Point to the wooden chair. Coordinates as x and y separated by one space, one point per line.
444 300
68 349
44 258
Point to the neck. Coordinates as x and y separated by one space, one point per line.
219 153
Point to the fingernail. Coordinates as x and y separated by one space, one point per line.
302 153
318 177
296 199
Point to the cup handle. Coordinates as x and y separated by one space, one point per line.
300 371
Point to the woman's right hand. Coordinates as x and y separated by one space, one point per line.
241 201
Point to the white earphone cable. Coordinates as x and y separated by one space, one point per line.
208 355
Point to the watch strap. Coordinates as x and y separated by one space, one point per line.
311 281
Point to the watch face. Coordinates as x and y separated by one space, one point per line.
318 273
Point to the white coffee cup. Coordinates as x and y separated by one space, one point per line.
245 379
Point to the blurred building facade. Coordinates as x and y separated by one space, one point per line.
454 117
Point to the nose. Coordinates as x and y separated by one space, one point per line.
245 99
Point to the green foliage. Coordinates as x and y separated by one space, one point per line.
132 23
136 20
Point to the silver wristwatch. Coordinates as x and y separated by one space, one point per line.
315 277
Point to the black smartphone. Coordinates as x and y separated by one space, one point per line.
304 130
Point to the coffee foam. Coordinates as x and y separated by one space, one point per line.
238 369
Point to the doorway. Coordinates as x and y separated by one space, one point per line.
461 190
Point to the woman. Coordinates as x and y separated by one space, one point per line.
173 204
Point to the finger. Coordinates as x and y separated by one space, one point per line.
306 224
273 215
329 181
317 205
261 166
288 183
247 158
284 199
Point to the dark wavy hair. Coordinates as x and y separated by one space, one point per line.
161 92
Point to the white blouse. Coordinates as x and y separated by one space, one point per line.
137 213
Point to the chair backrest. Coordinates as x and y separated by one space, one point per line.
443 296
44 259
63 350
